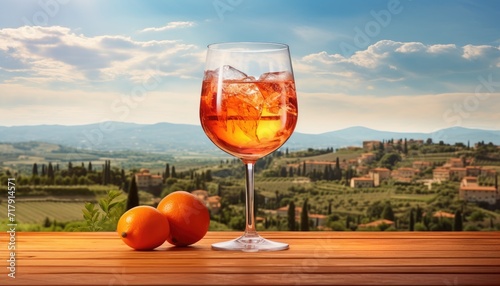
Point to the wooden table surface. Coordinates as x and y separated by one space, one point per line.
314 258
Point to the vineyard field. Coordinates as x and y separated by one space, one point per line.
37 211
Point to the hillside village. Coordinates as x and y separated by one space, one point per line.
458 169
477 184
394 184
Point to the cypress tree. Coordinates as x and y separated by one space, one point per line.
291 216
457 222
35 170
418 214
174 175
108 172
44 170
133 194
412 221
50 173
89 166
304 217
388 213
326 174
167 171
283 172
103 174
338 172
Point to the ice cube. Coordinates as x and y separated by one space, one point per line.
210 75
276 76
228 72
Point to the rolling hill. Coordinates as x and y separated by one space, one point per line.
169 137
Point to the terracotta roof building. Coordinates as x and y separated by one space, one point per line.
471 191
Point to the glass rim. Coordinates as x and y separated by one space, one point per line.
245 47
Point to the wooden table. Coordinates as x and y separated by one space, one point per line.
322 258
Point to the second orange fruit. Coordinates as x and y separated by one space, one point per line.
188 217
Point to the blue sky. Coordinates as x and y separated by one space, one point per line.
389 65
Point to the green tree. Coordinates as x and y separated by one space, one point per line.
420 227
388 213
291 216
167 171
304 217
476 216
173 174
411 225
375 210
418 214
337 172
133 194
347 222
44 170
458 222
389 160
283 172
50 174
35 170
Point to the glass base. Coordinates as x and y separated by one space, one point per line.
250 243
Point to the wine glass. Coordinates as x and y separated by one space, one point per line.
248 109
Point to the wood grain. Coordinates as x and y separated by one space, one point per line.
314 258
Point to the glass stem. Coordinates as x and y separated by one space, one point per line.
250 229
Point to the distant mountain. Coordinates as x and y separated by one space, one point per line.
112 135
356 135
168 137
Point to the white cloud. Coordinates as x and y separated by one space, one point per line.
400 68
55 75
58 54
169 26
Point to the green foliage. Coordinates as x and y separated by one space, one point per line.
476 216
411 225
346 207
389 160
387 212
291 216
375 210
105 218
133 195
458 222
336 226
237 223
304 217
420 227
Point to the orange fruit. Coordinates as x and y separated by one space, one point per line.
143 228
188 217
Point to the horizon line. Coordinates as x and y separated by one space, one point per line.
165 122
